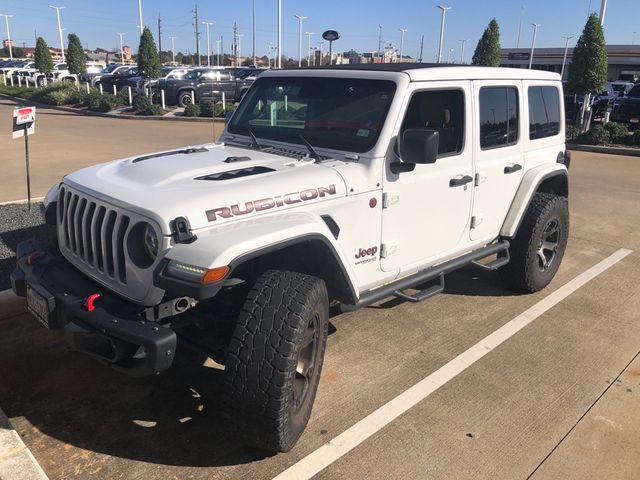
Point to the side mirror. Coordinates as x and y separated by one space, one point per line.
417 146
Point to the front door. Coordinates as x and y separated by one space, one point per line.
426 211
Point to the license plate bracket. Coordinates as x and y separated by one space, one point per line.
41 304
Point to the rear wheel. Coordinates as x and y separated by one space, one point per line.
537 250
275 357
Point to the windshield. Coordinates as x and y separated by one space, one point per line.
635 91
110 68
336 113
618 87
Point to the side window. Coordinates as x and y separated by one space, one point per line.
498 117
544 112
441 110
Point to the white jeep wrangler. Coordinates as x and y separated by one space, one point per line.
347 185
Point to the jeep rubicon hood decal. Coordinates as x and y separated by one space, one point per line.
170 186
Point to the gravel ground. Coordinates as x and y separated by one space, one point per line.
18 224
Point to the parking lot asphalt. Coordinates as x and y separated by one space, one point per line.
65 141
559 399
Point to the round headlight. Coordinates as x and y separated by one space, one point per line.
143 245
150 238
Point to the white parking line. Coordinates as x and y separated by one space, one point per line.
358 433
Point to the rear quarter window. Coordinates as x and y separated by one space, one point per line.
544 112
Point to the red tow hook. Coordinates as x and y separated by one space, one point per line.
32 258
88 303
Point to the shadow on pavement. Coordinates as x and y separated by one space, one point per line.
176 418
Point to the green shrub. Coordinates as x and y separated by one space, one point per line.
192 110
77 97
92 100
58 93
618 132
141 102
636 138
103 103
220 113
596 136
152 109
571 132
123 97
207 109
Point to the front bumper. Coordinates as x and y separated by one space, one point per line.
114 331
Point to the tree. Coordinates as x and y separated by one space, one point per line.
148 58
75 55
43 60
588 69
488 49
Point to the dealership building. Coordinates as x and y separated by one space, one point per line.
624 60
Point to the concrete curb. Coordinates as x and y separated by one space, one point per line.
631 152
16 460
169 118
21 201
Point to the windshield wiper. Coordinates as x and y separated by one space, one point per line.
256 144
312 152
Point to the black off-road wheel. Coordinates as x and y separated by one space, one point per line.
184 99
275 357
537 250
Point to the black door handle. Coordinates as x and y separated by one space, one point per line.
512 168
458 182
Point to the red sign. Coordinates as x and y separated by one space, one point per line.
24 115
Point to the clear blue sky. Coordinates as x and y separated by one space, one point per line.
97 22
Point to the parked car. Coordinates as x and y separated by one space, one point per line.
348 185
93 78
207 84
118 78
9 68
627 109
166 73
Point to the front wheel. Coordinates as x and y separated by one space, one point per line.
185 99
275 357
537 250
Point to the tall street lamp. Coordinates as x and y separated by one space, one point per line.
121 47
309 49
208 24
300 19
239 36
444 14
279 46
173 49
402 32
564 59
449 56
57 9
533 43
6 20
321 52
464 42
140 24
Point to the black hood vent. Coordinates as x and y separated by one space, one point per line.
241 172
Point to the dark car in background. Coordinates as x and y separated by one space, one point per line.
119 78
627 109
204 84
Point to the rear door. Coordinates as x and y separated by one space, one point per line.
499 153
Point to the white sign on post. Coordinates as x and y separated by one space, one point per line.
24 120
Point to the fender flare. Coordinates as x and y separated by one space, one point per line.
237 243
530 184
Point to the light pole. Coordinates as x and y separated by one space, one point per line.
564 59
321 52
449 56
300 19
279 46
140 24
402 32
253 33
464 42
121 47
173 49
57 9
380 52
218 42
208 24
239 36
444 14
6 20
533 43
603 10
309 49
